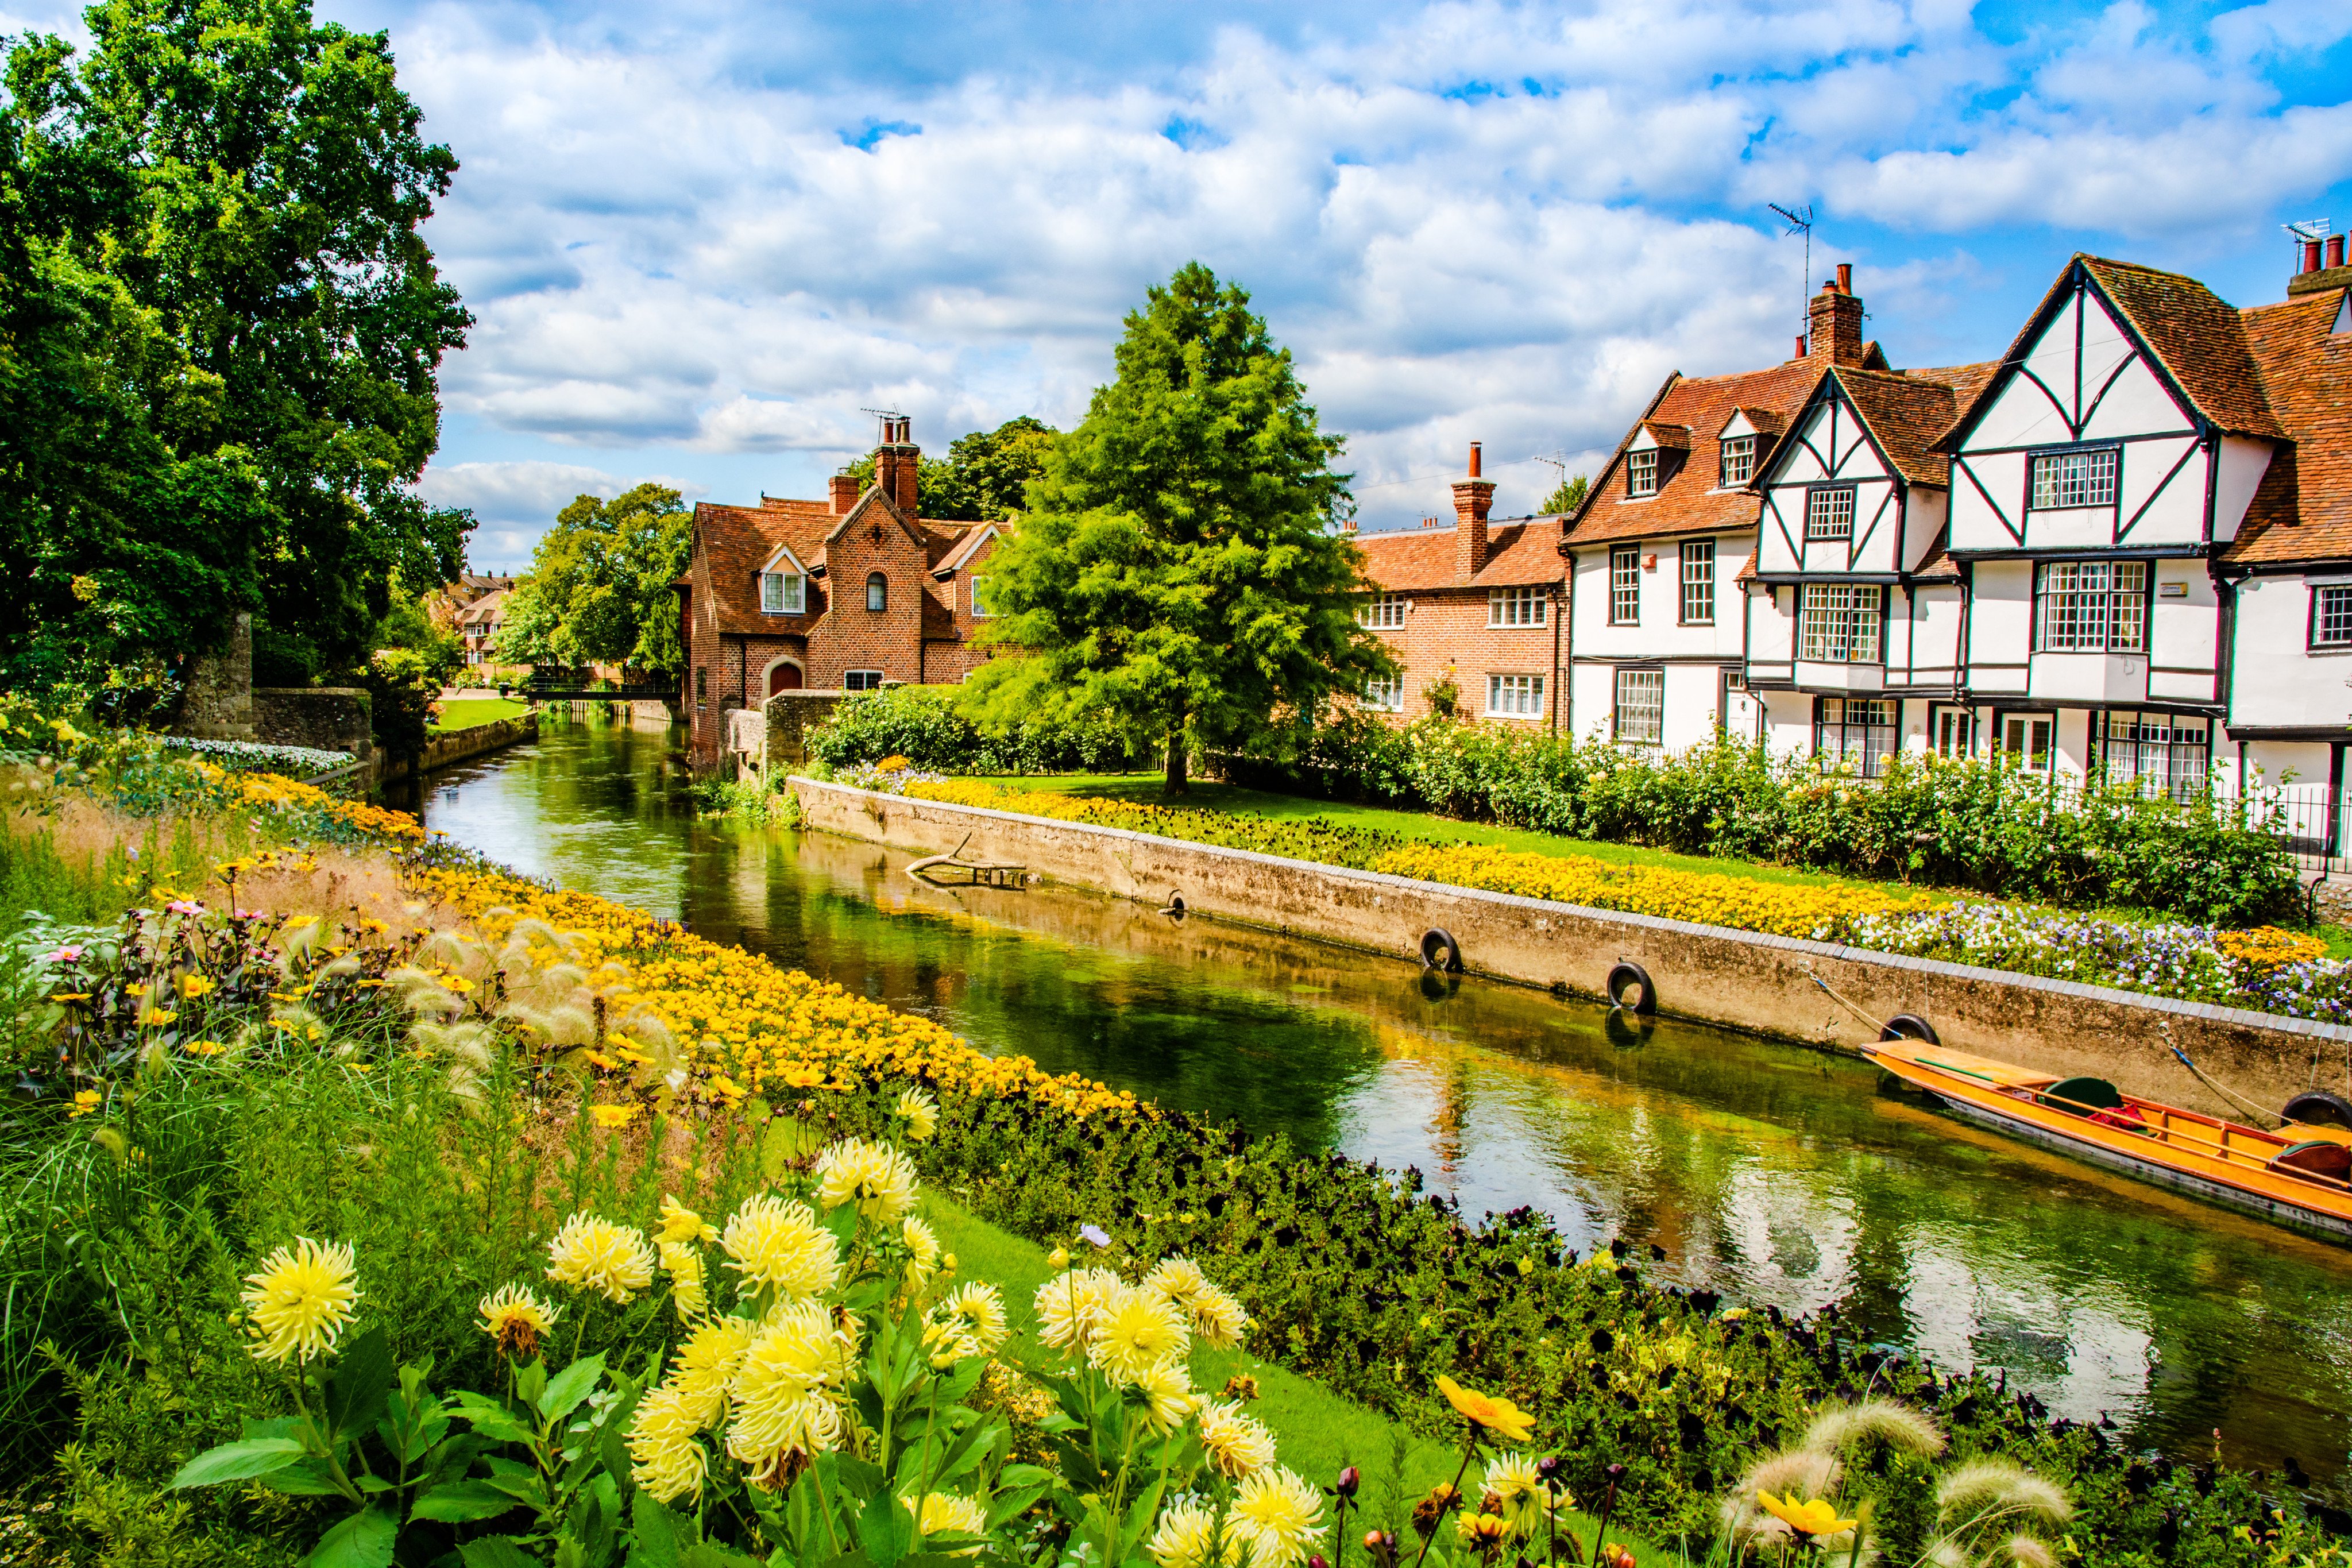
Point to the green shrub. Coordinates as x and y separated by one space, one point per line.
927 725
1980 826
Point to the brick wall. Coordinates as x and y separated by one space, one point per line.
851 636
1446 630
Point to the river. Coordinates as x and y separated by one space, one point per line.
1768 1172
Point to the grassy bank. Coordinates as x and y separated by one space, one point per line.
466 713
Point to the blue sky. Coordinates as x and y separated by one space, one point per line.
700 237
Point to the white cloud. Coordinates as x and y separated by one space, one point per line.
527 495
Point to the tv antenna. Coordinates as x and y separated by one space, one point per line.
892 419
2311 230
1800 221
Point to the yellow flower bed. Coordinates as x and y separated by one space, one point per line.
741 1023
271 793
1039 803
2268 947
1822 914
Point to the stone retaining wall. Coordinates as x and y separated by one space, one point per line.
456 745
329 718
1744 980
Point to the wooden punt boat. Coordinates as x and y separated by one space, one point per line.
2299 1176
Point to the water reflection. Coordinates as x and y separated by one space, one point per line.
1772 1172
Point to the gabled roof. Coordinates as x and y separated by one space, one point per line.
2302 509
1906 414
965 548
738 542
1418 559
484 610
1687 500
2195 339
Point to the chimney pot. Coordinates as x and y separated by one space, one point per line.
1846 277
2311 256
1474 459
1800 346
2335 250
1836 322
844 493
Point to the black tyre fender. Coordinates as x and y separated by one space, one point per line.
2317 1107
1440 951
1909 1026
1629 987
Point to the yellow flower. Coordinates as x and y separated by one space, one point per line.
980 1307
1238 1445
1187 1538
192 986
84 1102
779 1392
684 1267
1217 1319
592 1254
924 1248
920 1112
613 1115
1179 1279
516 1319
1168 1395
681 1224
1070 1304
302 1300
1519 1492
664 1457
799 1075
1481 1529
945 1513
1138 1329
204 1048
1488 1413
1059 1258
1816 1516
705 1365
156 1018
1278 1514
877 1179
778 1245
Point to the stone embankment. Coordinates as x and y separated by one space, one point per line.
1743 980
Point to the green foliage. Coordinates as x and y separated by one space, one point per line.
749 800
600 590
985 476
408 624
401 687
1179 565
940 729
1974 825
233 329
1566 496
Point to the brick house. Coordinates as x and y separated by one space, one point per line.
848 593
1478 604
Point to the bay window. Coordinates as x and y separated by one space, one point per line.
2092 606
1838 623
1854 731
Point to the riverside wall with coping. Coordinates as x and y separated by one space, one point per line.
456 745
1744 980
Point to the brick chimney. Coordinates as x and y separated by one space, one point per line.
1836 320
896 461
1472 499
844 493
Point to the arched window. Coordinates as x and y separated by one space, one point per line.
877 592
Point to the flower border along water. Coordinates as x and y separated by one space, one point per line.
1354 1276
2267 970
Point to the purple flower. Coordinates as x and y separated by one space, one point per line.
63 956
1095 1234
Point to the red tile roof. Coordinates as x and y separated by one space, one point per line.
2302 509
1416 560
737 541
1688 501
1906 411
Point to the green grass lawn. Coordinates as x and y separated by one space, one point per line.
1316 1431
474 710
1144 789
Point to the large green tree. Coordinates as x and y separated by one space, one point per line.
602 586
984 475
1179 566
231 196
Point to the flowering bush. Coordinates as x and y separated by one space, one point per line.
252 756
926 725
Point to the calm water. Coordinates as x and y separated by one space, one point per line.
1770 1172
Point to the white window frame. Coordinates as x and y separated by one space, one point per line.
1738 465
1385 696
782 593
1515 606
2173 750
1638 707
1829 512
1696 562
1642 472
1626 585
1952 731
2083 475
1860 729
1841 622
2032 758
978 592
861 681
1381 611
1515 696
2090 606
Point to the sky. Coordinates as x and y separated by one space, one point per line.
701 239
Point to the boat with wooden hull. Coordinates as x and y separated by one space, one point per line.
2299 1176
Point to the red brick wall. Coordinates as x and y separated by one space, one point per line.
1446 628
849 636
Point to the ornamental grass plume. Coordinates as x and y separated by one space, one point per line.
518 1319
1277 1514
875 1178
1986 1511
777 1245
1797 1472
594 1254
302 1299
1842 1427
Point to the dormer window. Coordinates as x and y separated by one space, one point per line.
782 593
1739 460
1642 472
